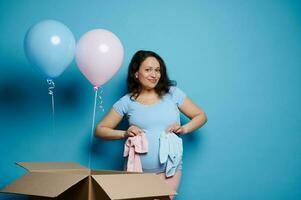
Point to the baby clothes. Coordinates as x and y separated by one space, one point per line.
170 152
132 148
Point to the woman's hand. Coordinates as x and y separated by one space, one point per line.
133 131
176 128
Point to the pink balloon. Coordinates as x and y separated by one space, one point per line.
99 55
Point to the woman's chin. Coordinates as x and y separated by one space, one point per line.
149 87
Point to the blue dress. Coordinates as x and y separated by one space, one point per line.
152 119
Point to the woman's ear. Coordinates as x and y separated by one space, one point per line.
136 75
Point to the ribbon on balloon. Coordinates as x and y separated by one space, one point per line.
99 55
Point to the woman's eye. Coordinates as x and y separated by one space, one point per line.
147 70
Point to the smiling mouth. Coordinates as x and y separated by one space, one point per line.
152 81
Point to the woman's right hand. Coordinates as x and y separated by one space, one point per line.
133 131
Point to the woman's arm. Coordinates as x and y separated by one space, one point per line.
105 128
193 112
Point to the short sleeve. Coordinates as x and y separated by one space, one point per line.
121 106
177 95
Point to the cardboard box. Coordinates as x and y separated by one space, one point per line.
73 181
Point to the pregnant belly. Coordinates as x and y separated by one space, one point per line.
150 160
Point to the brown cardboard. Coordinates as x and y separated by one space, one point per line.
73 181
51 166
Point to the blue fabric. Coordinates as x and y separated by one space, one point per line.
152 119
171 151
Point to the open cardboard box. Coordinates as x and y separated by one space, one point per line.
73 181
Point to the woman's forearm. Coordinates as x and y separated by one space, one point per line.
109 133
195 123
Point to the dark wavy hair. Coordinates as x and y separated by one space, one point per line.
134 86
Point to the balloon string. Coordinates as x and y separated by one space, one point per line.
92 129
51 87
100 100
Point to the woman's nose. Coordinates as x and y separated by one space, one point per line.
153 74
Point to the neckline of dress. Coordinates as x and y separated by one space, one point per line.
149 105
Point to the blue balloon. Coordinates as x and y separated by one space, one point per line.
50 46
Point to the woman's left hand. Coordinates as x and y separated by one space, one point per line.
176 128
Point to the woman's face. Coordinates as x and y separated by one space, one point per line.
149 73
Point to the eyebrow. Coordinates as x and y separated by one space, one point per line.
153 67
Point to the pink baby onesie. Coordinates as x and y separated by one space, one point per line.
132 148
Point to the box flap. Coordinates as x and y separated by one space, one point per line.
126 186
50 166
101 172
43 184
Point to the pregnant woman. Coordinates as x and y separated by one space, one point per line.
152 106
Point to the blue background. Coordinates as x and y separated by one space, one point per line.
238 60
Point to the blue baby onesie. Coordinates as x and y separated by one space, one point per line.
152 119
170 152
